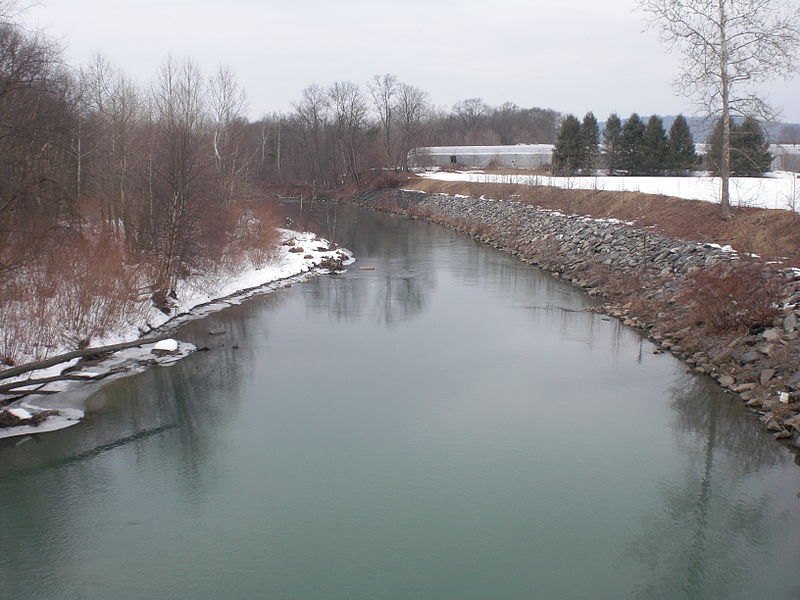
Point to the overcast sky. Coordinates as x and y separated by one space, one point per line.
571 56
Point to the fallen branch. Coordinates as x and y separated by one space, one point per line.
62 358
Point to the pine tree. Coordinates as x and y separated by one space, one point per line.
750 156
654 147
611 135
568 151
681 156
589 135
630 145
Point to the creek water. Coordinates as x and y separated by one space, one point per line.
449 425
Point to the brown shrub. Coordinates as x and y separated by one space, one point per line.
731 297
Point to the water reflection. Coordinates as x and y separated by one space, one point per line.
717 528
403 258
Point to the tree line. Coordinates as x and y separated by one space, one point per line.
172 169
636 147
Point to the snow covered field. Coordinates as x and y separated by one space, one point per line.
197 297
778 190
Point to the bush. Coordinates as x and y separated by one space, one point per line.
732 297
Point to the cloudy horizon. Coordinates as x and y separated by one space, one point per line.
573 58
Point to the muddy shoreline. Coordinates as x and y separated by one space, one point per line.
642 276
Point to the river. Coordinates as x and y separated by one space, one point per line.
449 425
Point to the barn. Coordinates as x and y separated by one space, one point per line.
519 156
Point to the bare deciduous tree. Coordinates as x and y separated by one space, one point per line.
350 119
383 89
228 105
728 47
413 107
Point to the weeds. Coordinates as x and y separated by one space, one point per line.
731 297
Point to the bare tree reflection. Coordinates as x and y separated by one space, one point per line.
701 542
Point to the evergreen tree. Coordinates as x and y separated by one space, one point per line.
681 156
750 156
654 147
589 134
611 135
568 151
631 140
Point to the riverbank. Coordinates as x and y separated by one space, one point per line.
724 314
46 395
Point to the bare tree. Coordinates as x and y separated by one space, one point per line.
228 103
179 185
311 114
111 104
728 47
350 119
413 107
471 114
383 89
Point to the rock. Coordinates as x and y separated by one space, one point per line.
773 334
794 381
765 376
726 381
783 434
748 357
217 331
790 322
744 387
783 398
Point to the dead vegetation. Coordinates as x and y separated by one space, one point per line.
88 284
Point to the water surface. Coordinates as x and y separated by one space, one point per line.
450 425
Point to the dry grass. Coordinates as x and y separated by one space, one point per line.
772 234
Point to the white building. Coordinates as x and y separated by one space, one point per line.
519 156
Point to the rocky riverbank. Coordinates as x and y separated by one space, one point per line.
728 316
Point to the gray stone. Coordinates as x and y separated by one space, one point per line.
748 357
772 334
790 322
726 381
794 381
765 376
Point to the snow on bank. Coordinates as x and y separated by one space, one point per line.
197 297
779 190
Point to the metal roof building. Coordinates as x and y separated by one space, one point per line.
519 156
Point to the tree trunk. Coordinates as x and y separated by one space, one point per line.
725 166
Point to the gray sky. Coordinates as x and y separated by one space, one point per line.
570 56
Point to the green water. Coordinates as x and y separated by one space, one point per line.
447 426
